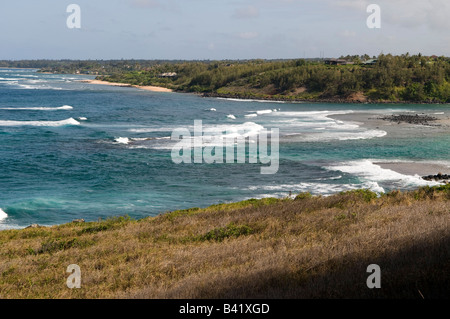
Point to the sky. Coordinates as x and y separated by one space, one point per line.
221 29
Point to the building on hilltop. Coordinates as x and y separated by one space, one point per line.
337 62
168 75
370 62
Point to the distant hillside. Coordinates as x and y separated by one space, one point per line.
385 79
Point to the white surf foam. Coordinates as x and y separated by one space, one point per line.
70 121
64 107
375 173
320 134
249 100
251 115
245 129
152 129
3 215
139 140
361 135
212 109
213 135
82 118
36 81
329 178
315 114
231 116
317 188
264 112
36 87
122 140
310 126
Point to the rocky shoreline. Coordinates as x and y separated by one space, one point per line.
411 119
438 178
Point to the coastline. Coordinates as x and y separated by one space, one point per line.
371 121
366 119
15 68
146 87
279 98
415 168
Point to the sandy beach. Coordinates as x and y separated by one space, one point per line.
373 121
413 168
147 88
441 126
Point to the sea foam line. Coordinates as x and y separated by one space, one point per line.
3 215
375 173
250 100
315 188
70 121
64 107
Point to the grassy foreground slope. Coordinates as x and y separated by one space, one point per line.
308 247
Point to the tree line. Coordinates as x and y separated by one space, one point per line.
409 78
393 78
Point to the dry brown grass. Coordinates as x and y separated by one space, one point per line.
311 247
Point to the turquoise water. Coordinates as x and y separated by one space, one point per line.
74 150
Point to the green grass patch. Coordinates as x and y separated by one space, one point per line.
301 196
51 246
231 230
182 212
108 224
365 194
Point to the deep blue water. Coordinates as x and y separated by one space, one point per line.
75 150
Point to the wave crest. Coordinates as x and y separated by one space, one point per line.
69 121
3 215
64 107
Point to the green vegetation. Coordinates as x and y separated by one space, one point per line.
231 230
93 67
307 247
365 194
404 78
391 79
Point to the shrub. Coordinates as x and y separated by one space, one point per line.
231 230
303 196
366 194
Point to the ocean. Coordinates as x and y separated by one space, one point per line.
72 150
